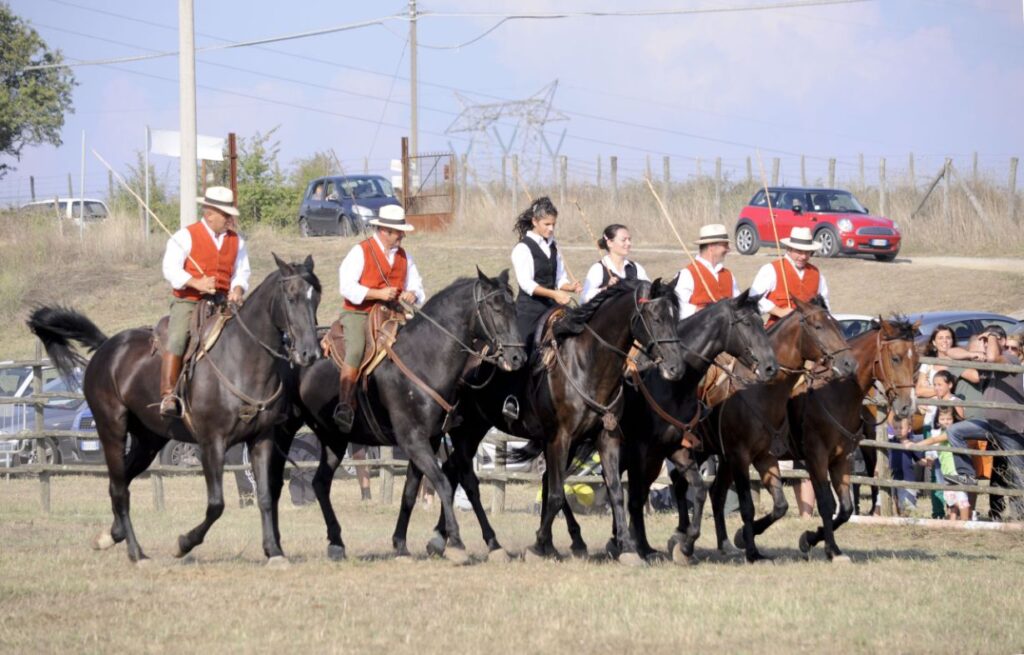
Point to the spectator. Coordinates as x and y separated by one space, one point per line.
1004 427
943 382
942 344
957 504
903 464
969 388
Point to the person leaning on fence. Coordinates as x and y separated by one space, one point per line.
223 271
617 242
376 270
1005 427
957 504
706 279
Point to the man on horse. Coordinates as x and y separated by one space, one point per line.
203 260
376 270
792 276
706 280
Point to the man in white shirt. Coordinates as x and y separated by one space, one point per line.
204 260
803 280
706 280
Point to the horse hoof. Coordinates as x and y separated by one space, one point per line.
278 563
758 558
612 548
181 548
499 556
144 563
581 553
335 552
436 546
404 558
456 556
103 541
738 539
805 544
680 558
841 559
729 550
533 554
631 560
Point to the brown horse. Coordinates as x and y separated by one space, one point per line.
749 425
828 421
235 394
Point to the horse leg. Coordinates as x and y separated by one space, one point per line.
283 437
411 490
640 479
870 463
719 491
113 433
322 481
260 452
840 474
826 506
768 467
609 445
578 547
212 456
556 454
747 513
686 474
417 445
463 466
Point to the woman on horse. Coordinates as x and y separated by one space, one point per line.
540 271
616 241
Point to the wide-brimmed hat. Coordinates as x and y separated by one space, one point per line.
220 198
800 239
714 233
392 217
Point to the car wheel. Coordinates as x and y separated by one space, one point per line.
344 226
886 258
829 241
51 454
303 228
747 241
179 453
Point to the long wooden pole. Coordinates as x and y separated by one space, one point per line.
121 181
682 244
775 229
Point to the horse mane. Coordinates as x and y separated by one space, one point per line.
816 301
443 295
899 323
574 320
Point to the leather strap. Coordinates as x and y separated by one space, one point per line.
690 440
417 379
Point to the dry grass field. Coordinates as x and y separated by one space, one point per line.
907 590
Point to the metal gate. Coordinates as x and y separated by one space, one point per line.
428 188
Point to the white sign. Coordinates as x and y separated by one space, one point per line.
168 142
396 165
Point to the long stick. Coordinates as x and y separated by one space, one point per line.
775 230
668 219
149 211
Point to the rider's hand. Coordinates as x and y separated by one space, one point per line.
575 287
235 296
408 297
206 285
783 312
562 297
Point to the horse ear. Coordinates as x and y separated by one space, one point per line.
503 278
308 263
480 274
281 265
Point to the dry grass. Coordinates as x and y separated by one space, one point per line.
907 590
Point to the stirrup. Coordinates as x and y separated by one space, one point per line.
344 416
170 406
510 409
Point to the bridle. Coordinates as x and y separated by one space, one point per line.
828 359
288 343
653 343
878 369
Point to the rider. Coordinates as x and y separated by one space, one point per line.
709 264
540 273
614 266
205 259
375 270
803 280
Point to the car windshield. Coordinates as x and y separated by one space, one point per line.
836 201
367 187
93 209
11 380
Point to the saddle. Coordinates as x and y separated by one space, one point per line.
716 385
205 328
545 357
382 329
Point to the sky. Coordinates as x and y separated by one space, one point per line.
882 78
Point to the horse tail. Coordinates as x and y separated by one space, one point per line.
57 327
531 451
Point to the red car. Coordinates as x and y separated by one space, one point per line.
839 223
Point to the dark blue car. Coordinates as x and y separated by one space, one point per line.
342 205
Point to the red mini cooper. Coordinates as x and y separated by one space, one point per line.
839 223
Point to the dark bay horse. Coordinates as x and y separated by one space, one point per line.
235 394
828 420
749 425
576 397
395 410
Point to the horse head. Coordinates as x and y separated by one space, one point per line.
895 364
654 322
294 302
495 320
821 338
745 336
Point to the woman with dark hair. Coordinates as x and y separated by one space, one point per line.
538 266
616 241
942 340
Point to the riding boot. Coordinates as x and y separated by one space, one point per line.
170 369
344 413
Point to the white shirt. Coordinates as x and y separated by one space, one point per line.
351 270
592 283
685 286
179 247
522 263
765 281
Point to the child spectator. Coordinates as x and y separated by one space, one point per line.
902 463
958 506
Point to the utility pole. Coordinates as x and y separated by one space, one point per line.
187 110
413 118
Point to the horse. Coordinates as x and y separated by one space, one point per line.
575 394
396 409
828 421
234 395
750 424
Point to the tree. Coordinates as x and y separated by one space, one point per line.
264 195
32 102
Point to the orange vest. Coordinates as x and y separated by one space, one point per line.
378 274
720 288
218 263
804 289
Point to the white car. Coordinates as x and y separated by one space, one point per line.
70 209
854 324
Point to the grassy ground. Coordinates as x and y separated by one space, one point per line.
907 590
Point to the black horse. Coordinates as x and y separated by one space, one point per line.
394 409
234 395
574 397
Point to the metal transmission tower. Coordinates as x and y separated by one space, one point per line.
516 127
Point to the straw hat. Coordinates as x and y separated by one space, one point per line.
220 198
392 217
800 239
714 233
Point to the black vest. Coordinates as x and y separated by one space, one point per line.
530 308
606 273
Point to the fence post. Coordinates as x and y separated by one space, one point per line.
775 171
44 491
1013 189
37 387
911 174
945 190
158 490
71 190
599 171
974 169
882 472
666 176
563 178
32 187
366 164
831 172
718 187
463 178
504 173
883 192
515 181
750 171
387 473
614 173
647 165
860 166
498 499
803 170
